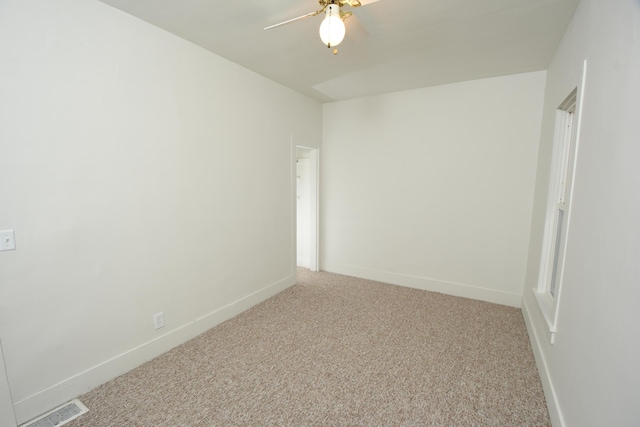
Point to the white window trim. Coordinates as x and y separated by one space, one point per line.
565 154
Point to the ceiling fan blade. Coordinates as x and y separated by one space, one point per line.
356 32
308 15
356 3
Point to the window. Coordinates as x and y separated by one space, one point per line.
558 210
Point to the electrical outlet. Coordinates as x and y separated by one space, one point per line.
7 240
158 320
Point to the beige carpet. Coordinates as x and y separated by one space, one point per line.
339 351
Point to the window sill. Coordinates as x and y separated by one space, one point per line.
547 309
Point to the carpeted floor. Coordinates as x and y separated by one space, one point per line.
338 351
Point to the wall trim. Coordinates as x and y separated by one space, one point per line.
427 284
553 404
72 387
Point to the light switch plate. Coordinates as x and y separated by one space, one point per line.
158 320
7 240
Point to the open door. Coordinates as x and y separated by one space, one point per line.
7 416
307 207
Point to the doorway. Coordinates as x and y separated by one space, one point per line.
307 207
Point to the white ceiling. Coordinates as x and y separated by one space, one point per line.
391 45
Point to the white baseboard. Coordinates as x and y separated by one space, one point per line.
70 388
553 405
428 284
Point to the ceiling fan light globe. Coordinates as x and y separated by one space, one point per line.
332 29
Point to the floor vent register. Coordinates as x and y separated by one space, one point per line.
59 416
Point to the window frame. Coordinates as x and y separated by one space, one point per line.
558 213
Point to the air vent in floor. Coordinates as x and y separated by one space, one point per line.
59 416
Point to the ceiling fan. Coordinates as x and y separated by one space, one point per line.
332 29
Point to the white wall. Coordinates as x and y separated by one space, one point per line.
140 174
433 188
591 373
